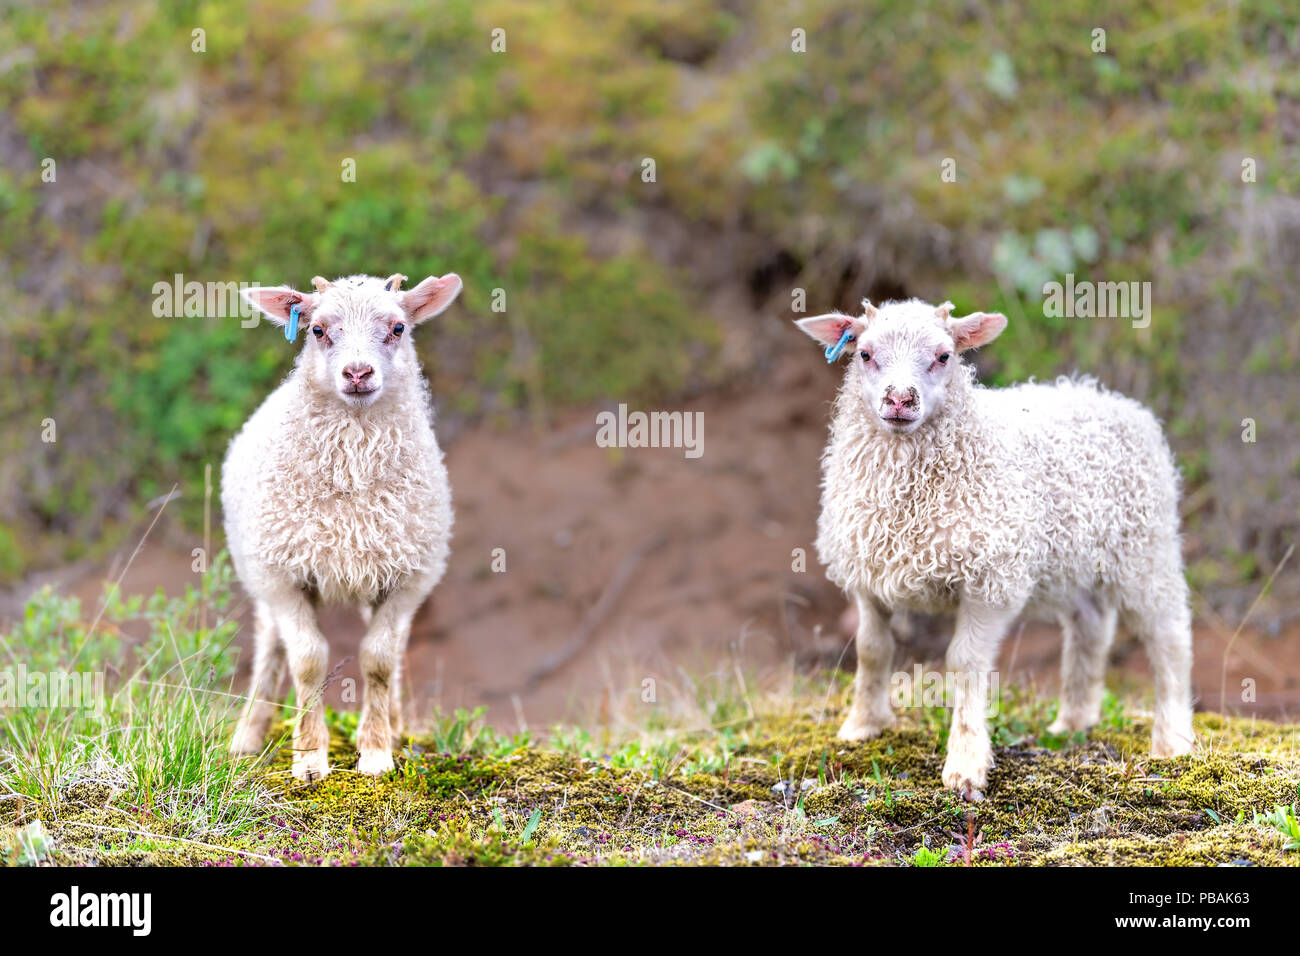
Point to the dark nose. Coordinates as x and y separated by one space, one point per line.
356 374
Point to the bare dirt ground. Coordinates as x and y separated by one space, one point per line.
629 565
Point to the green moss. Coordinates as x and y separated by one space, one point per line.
1099 803
764 782
1240 845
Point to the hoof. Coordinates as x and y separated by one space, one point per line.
966 774
965 788
1172 738
1172 746
1064 725
856 729
375 762
1063 728
311 767
971 795
246 742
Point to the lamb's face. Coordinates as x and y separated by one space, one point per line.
358 329
902 363
903 356
357 341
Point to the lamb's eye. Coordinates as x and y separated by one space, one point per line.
317 331
943 359
399 328
866 356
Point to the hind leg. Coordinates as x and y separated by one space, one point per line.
263 689
1089 631
1163 623
395 700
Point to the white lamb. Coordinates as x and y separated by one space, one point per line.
939 494
335 491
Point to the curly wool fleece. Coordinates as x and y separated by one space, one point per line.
346 502
1037 491
335 490
1056 500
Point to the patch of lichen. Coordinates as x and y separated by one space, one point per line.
788 794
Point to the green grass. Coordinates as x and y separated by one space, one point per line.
725 773
1284 820
924 856
153 745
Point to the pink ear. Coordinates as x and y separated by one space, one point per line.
276 301
976 329
828 328
431 296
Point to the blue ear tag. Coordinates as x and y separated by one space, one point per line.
291 330
835 351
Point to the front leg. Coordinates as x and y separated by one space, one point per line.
308 654
381 667
972 656
870 712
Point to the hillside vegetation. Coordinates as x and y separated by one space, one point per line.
523 170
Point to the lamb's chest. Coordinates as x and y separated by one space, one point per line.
353 526
892 548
